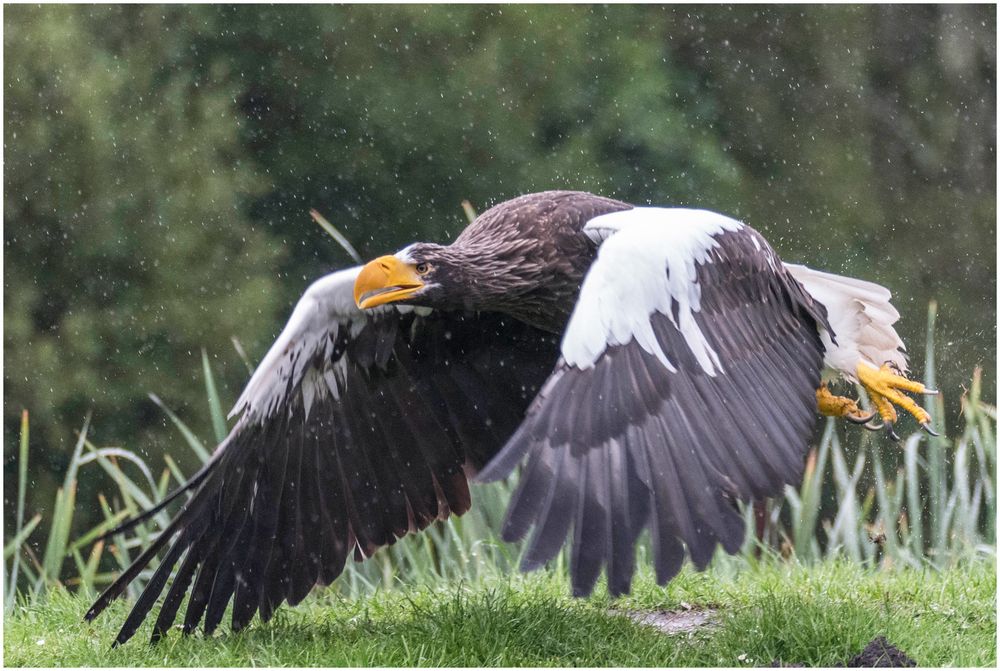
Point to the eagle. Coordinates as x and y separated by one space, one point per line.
647 368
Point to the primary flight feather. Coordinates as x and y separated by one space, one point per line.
648 368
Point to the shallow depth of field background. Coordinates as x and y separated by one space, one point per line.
160 163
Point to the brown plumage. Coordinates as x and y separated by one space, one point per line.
525 257
648 368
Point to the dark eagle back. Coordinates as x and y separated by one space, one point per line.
537 251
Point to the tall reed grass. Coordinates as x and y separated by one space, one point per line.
926 502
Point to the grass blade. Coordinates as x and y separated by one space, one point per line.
914 512
62 513
241 353
104 526
103 456
14 544
810 497
53 558
336 235
214 405
936 447
22 488
175 470
884 496
87 577
192 440
470 212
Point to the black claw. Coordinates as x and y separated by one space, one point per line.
889 432
927 427
873 427
860 420
930 392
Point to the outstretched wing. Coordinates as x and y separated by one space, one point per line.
687 381
356 429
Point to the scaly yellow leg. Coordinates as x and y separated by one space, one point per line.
884 387
840 406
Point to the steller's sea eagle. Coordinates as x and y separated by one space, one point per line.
647 367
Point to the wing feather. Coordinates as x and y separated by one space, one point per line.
355 429
687 383
172 602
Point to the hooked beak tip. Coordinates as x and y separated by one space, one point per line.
385 280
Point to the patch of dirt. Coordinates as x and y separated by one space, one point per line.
682 621
878 653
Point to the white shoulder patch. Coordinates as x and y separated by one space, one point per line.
648 258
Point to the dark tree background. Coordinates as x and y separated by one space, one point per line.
160 162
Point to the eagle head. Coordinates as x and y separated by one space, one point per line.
416 275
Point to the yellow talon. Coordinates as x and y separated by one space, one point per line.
884 387
840 406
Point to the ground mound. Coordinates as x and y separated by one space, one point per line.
878 653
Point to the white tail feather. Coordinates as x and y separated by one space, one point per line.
861 317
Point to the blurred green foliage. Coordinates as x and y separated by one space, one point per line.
160 162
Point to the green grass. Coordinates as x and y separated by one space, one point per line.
819 615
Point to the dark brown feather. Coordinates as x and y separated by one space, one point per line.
283 504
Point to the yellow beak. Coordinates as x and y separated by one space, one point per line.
385 280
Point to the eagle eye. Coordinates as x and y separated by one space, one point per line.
423 268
